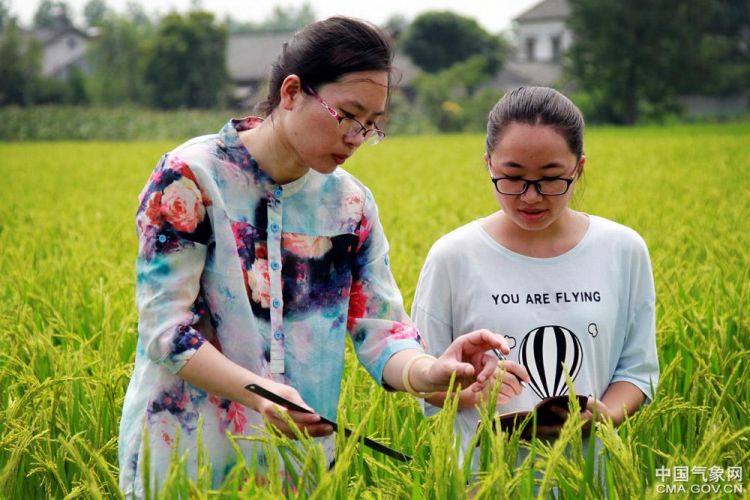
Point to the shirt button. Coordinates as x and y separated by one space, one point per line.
275 265
162 238
277 193
274 227
278 335
276 303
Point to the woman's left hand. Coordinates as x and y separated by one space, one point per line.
467 356
593 406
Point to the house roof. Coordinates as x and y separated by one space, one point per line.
251 56
545 10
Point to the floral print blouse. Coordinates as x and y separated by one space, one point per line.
272 275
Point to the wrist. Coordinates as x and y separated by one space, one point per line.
415 376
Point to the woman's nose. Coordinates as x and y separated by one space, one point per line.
531 194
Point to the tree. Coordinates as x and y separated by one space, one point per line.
187 64
116 59
52 15
95 12
452 100
20 63
4 14
437 40
635 57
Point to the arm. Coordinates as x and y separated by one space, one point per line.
621 399
215 373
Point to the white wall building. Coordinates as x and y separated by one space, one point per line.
541 33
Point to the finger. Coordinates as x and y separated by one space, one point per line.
548 430
304 418
488 371
512 384
518 371
317 430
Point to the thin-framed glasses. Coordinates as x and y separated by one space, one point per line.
351 127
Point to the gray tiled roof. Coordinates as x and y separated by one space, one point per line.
547 9
250 56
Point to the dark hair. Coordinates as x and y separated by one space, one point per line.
537 106
324 51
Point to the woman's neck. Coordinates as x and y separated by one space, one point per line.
552 241
269 147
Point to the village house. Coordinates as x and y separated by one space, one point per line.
62 50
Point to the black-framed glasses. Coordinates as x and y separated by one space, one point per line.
548 186
351 127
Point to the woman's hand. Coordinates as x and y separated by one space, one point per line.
510 375
305 422
593 407
467 357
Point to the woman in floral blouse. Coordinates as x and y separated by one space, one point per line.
256 256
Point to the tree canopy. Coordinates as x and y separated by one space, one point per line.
187 64
635 57
437 40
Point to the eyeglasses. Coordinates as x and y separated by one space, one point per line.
351 127
551 186
547 186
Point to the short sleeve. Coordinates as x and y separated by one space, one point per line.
432 310
377 321
173 231
639 363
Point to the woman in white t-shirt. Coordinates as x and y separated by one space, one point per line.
570 291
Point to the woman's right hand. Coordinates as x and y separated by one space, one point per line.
305 422
512 374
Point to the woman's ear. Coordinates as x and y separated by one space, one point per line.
290 92
486 160
581 163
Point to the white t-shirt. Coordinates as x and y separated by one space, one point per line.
591 308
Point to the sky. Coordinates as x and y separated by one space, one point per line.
493 15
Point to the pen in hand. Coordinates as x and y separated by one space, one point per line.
502 357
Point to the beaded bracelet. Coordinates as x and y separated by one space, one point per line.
405 376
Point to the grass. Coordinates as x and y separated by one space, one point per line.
67 250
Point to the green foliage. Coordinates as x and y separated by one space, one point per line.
67 246
117 60
438 40
451 98
186 67
52 14
20 62
95 12
634 59
56 123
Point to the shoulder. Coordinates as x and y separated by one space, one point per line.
197 153
619 236
454 244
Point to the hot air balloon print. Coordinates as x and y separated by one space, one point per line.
546 351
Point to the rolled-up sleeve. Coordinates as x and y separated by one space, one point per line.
173 229
377 321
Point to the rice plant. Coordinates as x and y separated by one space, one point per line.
67 250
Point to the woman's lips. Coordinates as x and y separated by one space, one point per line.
340 159
532 215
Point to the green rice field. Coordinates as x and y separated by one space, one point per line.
68 324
